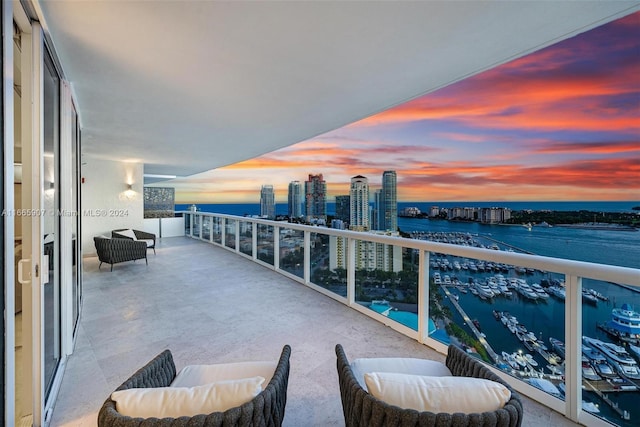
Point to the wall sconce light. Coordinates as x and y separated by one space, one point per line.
129 187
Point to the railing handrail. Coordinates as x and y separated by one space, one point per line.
591 270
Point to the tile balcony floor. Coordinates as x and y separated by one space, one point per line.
209 305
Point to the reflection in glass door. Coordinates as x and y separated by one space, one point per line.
50 221
76 286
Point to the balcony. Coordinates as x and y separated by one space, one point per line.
226 301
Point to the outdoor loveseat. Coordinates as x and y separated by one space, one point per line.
362 409
115 250
265 409
138 235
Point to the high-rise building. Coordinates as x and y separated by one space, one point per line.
359 202
295 199
315 193
377 213
389 202
343 208
267 202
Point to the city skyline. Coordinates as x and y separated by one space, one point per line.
560 124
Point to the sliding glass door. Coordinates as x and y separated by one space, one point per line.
50 182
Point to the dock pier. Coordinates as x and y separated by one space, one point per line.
621 412
473 328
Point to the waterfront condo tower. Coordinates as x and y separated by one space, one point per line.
343 208
267 202
388 208
359 195
315 194
295 199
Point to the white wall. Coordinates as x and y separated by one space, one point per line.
106 202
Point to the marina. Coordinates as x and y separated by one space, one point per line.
528 307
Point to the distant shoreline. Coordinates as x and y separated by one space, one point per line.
597 226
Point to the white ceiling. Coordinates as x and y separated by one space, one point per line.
188 86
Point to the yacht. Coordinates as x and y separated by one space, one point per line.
586 406
540 291
617 356
557 346
598 362
558 292
545 385
510 359
526 291
520 359
588 297
635 350
588 372
484 290
531 360
625 321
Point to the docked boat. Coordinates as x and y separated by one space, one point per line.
540 291
586 406
588 372
484 290
599 362
617 356
635 350
555 369
539 345
604 369
625 322
588 297
524 290
545 385
557 346
531 360
558 292
520 359
530 336
510 360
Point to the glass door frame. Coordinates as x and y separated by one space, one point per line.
7 234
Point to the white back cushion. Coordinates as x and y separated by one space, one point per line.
194 375
176 402
128 233
438 394
400 365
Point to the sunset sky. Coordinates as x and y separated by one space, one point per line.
560 124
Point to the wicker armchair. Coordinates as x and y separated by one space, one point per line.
150 238
266 409
363 410
113 251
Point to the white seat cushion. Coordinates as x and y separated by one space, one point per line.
176 402
127 233
400 365
194 375
149 242
438 394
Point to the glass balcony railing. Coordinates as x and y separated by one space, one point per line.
562 332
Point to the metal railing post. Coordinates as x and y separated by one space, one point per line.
351 271
573 346
223 231
307 256
237 236
423 296
276 247
254 240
